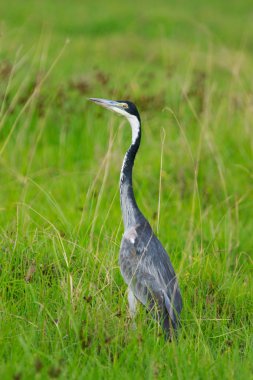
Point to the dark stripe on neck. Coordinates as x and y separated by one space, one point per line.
130 210
128 163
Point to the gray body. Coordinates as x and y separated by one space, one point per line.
148 272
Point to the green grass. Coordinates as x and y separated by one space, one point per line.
188 67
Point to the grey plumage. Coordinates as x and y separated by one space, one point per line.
144 263
147 270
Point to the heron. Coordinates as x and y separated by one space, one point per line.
144 263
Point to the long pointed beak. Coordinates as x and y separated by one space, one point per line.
104 102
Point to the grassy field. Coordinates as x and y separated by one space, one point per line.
189 68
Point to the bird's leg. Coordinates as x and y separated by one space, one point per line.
132 305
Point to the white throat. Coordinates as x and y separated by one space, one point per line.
135 125
133 120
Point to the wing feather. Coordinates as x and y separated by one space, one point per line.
147 270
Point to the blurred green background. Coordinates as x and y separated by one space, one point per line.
188 66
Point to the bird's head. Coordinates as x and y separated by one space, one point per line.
123 107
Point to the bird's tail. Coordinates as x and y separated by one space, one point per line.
170 319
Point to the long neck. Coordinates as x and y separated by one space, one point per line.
130 210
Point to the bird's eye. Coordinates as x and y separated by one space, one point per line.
124 105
